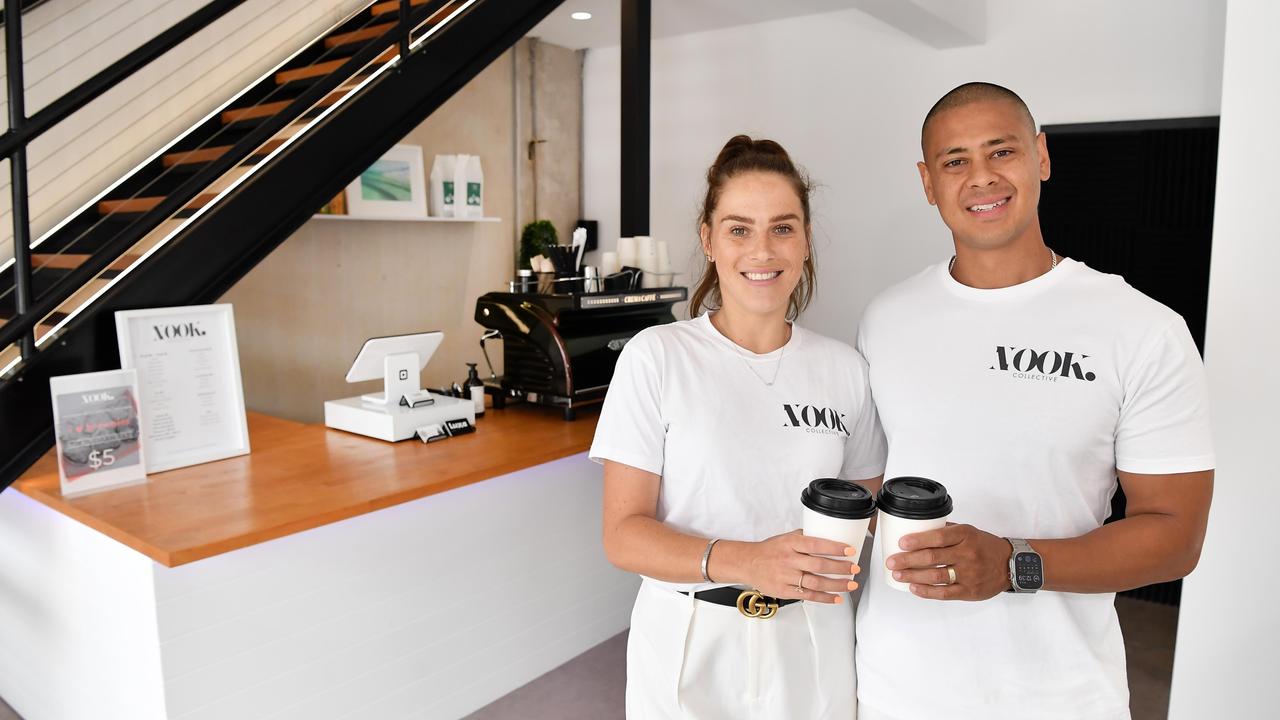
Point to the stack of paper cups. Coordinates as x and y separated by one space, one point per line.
609 263
647 260
626 252
663 263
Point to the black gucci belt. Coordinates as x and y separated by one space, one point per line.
751 603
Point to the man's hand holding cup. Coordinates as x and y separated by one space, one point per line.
956 562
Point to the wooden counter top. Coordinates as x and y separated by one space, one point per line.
303 476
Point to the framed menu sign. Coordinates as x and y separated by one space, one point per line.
189 379
96 425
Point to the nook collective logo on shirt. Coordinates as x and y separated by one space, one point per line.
823 421
1046 366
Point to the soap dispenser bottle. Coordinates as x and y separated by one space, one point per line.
475 387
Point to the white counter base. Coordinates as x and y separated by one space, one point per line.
430 609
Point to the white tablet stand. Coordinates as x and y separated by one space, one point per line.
399 379
398 360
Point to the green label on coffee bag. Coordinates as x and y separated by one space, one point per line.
448 192
473 194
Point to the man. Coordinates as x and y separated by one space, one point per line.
1025 382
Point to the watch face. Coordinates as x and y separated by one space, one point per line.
1028 571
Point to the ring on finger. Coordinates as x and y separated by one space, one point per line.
951 575
800 584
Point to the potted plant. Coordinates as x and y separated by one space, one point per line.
536 237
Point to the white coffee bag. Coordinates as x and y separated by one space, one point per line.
459 204
475 188
441 195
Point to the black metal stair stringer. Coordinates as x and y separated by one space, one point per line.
230 238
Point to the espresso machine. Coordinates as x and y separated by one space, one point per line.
559 346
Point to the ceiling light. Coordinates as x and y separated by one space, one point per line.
581 16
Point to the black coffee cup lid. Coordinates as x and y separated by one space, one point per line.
914 498
839 498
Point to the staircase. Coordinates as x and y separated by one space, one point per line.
183 227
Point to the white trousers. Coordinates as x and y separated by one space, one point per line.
692 659
868 713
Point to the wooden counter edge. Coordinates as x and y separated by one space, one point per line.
182 556
189 555
57 504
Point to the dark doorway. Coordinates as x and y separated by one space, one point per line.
1136 199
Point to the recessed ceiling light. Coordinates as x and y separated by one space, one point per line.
581 16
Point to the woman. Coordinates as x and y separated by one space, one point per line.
708 435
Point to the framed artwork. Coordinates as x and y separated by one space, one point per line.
188 366
394 186
97 428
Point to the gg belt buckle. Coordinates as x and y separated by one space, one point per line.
751 604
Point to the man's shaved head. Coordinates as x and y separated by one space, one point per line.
974 92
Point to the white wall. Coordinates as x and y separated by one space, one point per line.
67 41
846 95
1228 627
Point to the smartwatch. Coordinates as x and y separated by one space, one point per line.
1026 568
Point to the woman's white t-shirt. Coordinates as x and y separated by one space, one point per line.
734 452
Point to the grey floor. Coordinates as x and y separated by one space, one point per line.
591 686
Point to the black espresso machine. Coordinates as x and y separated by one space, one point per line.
560 349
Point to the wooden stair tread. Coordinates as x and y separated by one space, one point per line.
310 71
255 111
134 205
193 157
356 36
324 68
145 204
209 154
391 6
71 261
61 261
268 109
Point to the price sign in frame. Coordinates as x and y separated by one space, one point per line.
221 328
107 413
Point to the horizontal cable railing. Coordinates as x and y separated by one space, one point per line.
23 6
31 313
89 90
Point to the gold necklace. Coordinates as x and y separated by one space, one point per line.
776 368
746 361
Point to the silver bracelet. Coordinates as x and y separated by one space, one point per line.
706 555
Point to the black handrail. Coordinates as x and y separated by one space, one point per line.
27 6
89 90
18 174
174 201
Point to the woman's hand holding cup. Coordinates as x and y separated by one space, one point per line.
777 566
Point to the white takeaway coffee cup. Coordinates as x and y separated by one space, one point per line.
838 510
908 505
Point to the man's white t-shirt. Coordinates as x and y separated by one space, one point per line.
1023 402
733 452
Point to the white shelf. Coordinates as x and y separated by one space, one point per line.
405 219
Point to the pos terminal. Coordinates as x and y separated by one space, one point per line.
403 406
